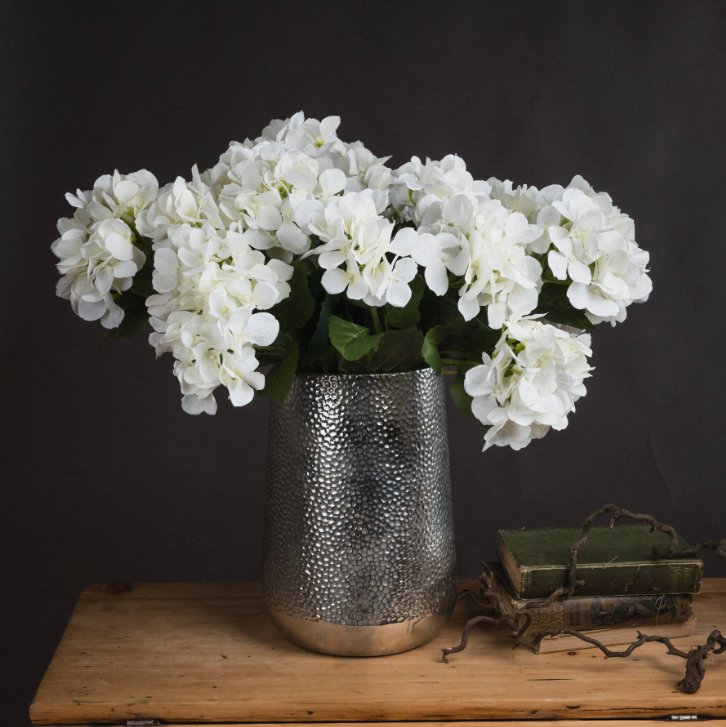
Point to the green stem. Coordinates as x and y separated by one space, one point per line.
457 362
272 350
376 320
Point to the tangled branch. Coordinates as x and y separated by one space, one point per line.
519 621
616 515
695 658
489 599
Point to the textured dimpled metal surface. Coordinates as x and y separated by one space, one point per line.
358 527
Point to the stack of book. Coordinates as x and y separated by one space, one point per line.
626 588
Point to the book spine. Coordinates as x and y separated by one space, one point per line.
607 611
660 577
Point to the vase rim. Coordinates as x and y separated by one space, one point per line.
391 374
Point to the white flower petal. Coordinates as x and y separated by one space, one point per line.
332 181
120 247
478 381
268 218
193 404
240 392
329 125
558 264
482 407
91 310
334 281
126 190
292 238
331 259
496 313
437 278
398 294
262 329
583 297
579 272
405 269
265 295
404 242
468 307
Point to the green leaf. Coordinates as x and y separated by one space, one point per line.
351 340
461 399
398 351
146 245
409 315
430 346
469 339
320 338
556 307
297 309
142 285
440 310
317 354
461 340
136 316
280 377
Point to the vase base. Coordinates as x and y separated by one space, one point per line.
340 640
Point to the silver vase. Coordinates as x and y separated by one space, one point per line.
359 547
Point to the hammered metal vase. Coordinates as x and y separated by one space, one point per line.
359 546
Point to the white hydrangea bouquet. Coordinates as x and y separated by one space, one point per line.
299 252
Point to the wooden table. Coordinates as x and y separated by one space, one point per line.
206 653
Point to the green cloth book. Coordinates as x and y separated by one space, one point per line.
586 613
613 561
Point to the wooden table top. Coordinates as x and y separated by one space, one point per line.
206 652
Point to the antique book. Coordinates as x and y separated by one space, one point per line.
615 561
617 636
593 612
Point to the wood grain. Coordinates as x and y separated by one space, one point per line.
512 723
207 653
480 723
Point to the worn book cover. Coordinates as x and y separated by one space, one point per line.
594 612
613 561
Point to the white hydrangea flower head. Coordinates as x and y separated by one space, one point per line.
97 251
215 272
115 195
389 282
498 273
208 355
530 384
262 183
356 239
363 169
516 199
179 203
529 201
593 247
313 137
209 284
463 231
423 192
436 254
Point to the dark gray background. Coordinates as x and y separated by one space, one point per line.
105 479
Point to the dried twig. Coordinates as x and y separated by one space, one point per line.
616 515
695 658
468 626
717 545
519 621
490 600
